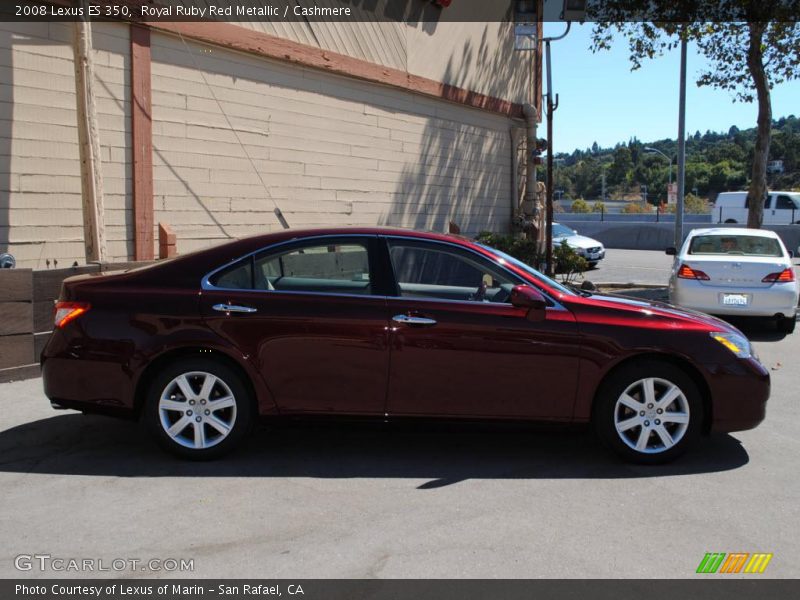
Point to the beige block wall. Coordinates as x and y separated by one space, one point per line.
40 193
327 150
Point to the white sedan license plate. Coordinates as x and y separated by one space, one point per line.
735 299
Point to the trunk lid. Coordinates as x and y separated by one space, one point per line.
736 271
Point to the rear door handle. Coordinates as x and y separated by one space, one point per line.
229 308
413 321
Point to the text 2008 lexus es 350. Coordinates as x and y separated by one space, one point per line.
389 323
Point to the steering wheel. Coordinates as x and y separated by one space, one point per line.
480 293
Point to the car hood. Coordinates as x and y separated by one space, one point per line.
680 318
578 241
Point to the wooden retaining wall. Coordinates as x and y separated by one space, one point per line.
26 314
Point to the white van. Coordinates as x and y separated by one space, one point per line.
780 208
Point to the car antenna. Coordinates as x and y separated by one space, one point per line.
281 219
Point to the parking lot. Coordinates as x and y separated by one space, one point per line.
385 501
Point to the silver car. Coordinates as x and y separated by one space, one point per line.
590 249
732 271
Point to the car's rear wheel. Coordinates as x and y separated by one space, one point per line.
198 409
787 324
648 412
731 221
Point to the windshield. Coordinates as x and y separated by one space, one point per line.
551 283
746 245
562 231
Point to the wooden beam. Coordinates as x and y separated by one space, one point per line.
88 138
142 127
261 44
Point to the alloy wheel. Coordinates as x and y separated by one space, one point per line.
651 415
197 410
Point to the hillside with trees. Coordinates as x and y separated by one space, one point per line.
715 162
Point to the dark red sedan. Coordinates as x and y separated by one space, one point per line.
389 323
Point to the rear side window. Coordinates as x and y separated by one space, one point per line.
337 268
238 276
766 202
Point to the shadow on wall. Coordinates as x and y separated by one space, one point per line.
463 172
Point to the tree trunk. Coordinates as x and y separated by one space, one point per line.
758 182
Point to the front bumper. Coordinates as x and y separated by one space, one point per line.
740 390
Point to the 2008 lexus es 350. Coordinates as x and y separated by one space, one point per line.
389 323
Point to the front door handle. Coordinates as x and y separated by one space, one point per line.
413 321
229 308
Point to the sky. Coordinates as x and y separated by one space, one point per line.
602 100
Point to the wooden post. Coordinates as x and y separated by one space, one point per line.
142 126
167 241
91 176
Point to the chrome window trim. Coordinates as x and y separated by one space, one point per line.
205 283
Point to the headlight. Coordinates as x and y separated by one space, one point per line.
738 344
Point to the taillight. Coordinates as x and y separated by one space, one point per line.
67 311
686 272
784 276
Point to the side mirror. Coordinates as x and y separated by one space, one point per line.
524 296
671 251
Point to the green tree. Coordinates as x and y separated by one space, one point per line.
754 48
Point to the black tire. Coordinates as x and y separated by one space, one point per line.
786 324
731 221
606 413
237 414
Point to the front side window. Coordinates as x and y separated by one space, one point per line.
786 202
437 271
325 267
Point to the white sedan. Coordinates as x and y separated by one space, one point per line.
590 249
732 271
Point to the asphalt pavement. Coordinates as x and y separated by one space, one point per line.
377 501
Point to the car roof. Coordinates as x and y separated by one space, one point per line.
733 231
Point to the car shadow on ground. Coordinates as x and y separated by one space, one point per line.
757 329
444 454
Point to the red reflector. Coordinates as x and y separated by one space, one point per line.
785 276
67 311
686 272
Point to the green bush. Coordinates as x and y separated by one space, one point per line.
598 206
568 264
520 248
636 208
581 206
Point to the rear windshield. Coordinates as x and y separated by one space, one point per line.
747 245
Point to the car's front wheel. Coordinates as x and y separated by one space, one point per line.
648 412
198 409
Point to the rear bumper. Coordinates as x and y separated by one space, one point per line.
779 298
740 391
91 381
